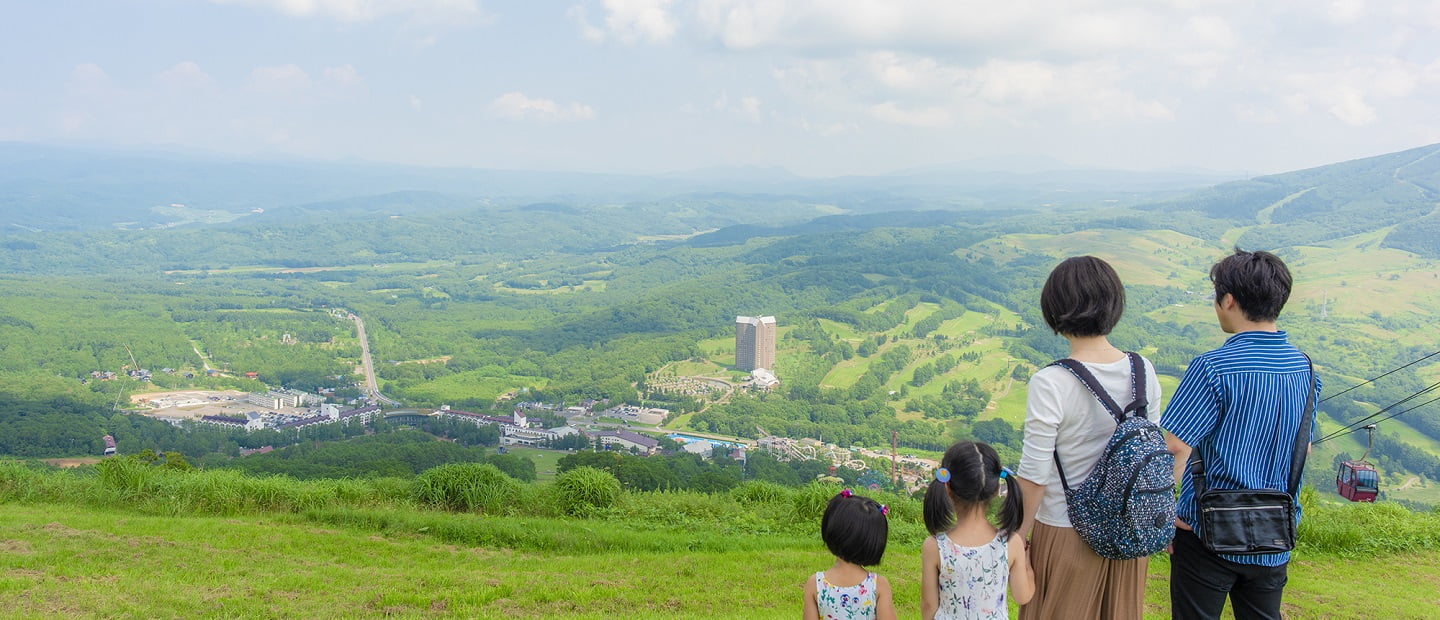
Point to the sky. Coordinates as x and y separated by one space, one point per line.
817 87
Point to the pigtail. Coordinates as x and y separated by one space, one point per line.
1013 512
939 513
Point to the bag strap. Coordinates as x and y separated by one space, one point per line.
1137 389
1297 456
1302 436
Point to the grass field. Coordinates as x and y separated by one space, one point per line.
546 461
957 327
58 561
470 385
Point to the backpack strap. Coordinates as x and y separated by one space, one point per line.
1138 406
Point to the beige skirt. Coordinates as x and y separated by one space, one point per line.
1072 582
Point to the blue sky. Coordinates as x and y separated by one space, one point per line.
819 87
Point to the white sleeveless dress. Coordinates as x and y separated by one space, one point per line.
845 603
973 580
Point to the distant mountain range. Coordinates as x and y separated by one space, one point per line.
50 188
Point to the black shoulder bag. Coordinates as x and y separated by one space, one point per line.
1253 521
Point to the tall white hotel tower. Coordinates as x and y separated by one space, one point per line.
755 342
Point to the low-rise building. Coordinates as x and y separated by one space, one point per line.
626 440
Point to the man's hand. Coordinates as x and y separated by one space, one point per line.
1179 525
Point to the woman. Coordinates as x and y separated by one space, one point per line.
1082 300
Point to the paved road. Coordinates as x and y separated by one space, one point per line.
372 384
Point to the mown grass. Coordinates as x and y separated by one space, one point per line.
125 542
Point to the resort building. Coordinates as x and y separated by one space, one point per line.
754 342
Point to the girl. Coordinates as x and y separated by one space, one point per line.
855 530
968 561
1082 300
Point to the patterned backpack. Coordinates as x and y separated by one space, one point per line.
1126 508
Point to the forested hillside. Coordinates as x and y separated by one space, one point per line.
920 324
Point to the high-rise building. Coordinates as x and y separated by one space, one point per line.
754 342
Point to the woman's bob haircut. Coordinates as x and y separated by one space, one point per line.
1082 297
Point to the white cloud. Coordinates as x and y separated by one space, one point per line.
343 76
932 117
827 130
907 89
628 21
996 27
1344 11
415 103
285 80
89 78
588 31
750 107
185 75
1351 94
517 106
438 11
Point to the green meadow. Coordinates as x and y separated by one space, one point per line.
152 543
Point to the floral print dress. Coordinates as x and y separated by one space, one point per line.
973 579
845 603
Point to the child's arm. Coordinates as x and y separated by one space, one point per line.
884 602
929 578
812 608
1022 575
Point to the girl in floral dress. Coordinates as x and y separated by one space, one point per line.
855 529
968 561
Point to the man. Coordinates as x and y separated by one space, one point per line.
1238 407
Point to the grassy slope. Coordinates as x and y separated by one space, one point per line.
65 561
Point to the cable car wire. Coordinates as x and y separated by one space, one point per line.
1405 411
1369 381
1358 424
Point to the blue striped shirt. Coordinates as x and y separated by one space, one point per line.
1239 408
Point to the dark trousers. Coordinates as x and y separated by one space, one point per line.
1200 581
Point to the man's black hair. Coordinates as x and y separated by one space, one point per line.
1259 282
1082 297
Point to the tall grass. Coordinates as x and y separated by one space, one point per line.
583 511
467 487
1362 530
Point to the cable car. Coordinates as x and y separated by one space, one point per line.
1357 480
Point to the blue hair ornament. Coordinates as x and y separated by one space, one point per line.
942 475
1005 473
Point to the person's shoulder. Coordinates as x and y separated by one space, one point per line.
1048 374
881 581
931 542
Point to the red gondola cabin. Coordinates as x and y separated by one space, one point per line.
1357 481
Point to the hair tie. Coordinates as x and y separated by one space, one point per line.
942 475
846 493
884 510
1005 473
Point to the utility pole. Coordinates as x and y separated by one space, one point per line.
894 449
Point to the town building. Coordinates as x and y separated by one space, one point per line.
754 342
626 440
763 379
